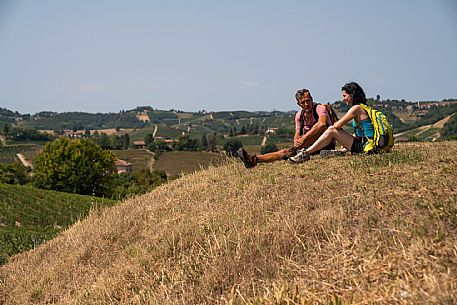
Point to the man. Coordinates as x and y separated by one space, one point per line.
310 122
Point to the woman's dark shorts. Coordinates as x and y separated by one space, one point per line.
357 145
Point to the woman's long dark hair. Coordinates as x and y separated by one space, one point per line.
358 96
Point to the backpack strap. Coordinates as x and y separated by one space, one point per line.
331 113
316 117
302 121
364 138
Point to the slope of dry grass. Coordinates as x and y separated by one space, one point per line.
352 230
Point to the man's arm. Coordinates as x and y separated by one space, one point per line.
313 134
296 137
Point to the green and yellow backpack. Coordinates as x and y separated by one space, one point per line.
383 139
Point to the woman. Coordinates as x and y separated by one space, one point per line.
353 95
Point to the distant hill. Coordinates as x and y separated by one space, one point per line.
30 216
173 123
356 229
8 117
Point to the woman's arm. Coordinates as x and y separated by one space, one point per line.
352 113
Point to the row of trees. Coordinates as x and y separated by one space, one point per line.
22 134
111 141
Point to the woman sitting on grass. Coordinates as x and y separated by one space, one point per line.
353 95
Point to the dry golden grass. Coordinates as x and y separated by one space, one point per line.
353 230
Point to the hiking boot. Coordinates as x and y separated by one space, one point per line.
331 153
249 161
300 157
290 153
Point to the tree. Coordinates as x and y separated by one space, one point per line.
148 139
14 173
6 129
212 145
204 142
125 140
231 146
187 143
74 166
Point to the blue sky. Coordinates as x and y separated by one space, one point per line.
105 56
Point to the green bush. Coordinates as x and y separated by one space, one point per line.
15 173
126 184
74 166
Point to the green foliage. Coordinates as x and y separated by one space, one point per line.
83 120
212 142
23 134
14 173
268 149
112 141
148 139
450 128
74 166
8 153
204 142
231 146
126 184
30 216
186 143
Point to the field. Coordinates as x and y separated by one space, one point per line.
140 158
30 216
379 229
140 133
175 163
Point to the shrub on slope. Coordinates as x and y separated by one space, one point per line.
368 229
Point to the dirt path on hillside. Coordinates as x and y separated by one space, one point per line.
422 129
440 123
150 164
155 131
24 161
264 141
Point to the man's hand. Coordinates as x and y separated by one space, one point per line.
298 142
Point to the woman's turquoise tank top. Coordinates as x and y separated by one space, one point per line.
367 128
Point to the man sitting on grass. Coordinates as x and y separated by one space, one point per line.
310 122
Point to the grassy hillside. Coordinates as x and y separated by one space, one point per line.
30 216
358 229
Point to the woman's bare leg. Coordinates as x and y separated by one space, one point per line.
328 136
